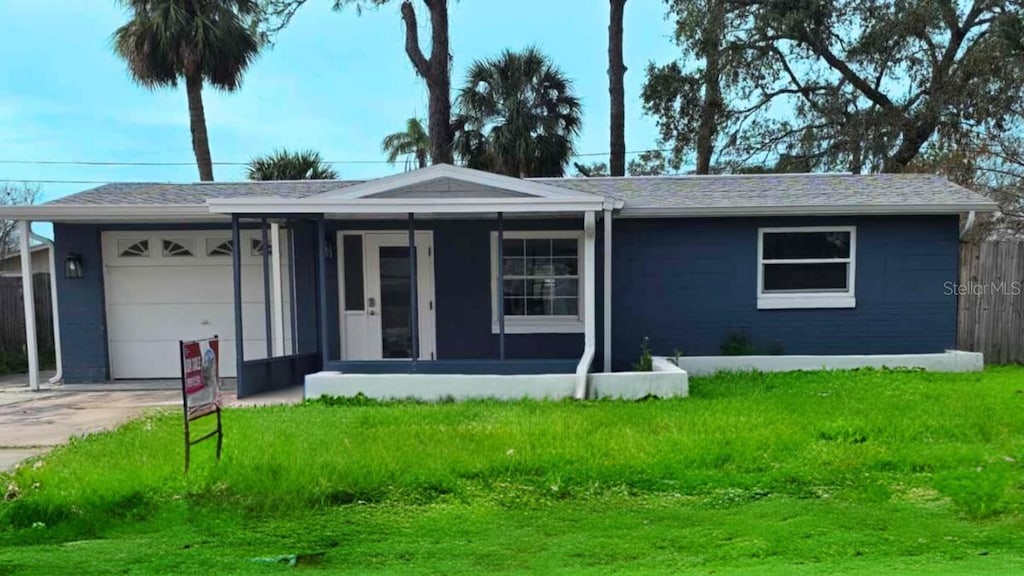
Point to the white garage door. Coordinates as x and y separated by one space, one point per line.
162 287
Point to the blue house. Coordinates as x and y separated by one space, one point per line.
452 271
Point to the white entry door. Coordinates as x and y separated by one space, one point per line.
380 327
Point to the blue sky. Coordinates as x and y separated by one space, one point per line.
335 82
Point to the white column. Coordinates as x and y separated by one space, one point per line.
607 291
277 300
28 294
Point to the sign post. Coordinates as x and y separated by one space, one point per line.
200 389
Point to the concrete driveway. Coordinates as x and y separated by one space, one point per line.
32 423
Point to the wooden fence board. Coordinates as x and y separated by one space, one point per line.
12 315
990 315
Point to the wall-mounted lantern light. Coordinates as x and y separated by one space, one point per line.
73 266
328 249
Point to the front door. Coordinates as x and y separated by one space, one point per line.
382 329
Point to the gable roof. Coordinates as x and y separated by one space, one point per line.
654 196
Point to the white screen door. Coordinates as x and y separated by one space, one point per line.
384 324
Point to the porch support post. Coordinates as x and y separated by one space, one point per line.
414 328
500 304
236 270
267 314
294 311
607 354
321 276
277 288
29 298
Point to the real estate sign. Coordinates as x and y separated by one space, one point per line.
200 388
201 376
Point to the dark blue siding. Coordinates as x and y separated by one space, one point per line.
687 284
83 330
462 288
306 314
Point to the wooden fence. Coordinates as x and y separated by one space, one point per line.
12 316
991 302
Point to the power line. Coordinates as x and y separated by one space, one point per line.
192 163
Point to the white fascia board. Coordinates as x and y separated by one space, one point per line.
111 213
851 210
458 173
318 205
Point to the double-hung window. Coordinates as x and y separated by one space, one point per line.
807 267
541 283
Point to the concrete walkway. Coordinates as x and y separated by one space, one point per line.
32 423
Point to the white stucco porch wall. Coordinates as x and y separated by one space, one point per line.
666 381
949 361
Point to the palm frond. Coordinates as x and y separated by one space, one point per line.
285 165
517 115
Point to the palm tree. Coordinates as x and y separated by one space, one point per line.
284 165
200 41
517 115
413 143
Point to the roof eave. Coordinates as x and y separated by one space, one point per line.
111 213
319 205
812 210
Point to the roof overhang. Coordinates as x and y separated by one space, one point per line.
809 210
403 206
155 213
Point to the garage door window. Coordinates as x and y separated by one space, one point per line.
218 247
127 248
177 248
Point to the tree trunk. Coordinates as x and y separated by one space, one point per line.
711 109
436 72
197 121
616 92
439 84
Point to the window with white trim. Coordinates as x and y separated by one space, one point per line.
807 267
542 273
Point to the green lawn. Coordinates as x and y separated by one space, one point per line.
804 473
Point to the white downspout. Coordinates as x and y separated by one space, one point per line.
277 300
607 290
589 307
967 225
55 308
28 295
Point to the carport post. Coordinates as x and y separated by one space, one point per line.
501 286
321 276
414 325
267 320
236 269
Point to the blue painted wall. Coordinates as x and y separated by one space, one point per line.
83 325
462 268
688 284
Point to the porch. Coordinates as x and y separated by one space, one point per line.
505 283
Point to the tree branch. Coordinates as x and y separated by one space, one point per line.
412 40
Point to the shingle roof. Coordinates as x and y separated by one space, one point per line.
775 190
652 193
143 193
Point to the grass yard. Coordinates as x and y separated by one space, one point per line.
804 473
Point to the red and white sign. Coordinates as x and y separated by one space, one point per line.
200 375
